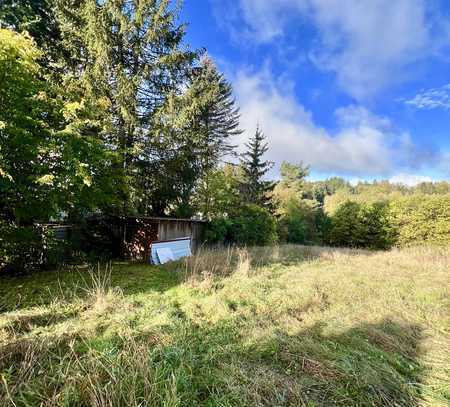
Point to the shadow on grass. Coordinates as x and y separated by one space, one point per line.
44 287
370 364
367 365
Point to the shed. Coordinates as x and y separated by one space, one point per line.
175 228
144 230
129 237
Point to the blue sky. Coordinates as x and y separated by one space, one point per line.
359 89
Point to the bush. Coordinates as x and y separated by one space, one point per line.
254 226
251 225
218 231
25 248
291 229
361 225
302 222
420 219
404 221
346 225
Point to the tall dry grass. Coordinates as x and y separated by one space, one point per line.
219 262
288 325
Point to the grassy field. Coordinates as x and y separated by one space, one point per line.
287 326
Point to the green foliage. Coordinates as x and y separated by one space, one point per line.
133 67
421 219
293 176
322 190
254 187
298 223
215 114
291 229
218 230
26 248
217 194
29 146
213 119
430 188
404 221
23 136
232 220
195 129
36 17
361 225
253 226
299 214
347 225
46 168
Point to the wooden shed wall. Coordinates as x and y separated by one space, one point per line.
174 229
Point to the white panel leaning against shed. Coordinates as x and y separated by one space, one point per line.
170 250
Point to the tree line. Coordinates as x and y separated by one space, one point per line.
105 109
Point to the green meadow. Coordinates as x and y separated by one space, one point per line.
281 326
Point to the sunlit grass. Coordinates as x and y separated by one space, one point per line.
275 326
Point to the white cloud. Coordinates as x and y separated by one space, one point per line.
368 44
364 144
409 179
435 98
264 20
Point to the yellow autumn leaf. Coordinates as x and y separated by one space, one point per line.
46 179
4 174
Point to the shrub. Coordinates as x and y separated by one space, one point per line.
250 225
301 222
218 231
98 238
346 225
291 229
254 226
24 248
376 226
420 219
404 221
361 225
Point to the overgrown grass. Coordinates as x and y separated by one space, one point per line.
263 327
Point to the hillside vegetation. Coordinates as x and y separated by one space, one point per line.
98 128
283 326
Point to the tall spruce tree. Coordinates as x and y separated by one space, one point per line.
216 121
255 188
126 58
218 115
196 129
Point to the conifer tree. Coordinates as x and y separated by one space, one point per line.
255 188
215 121
126 58
218 116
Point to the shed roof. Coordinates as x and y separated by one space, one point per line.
161 218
